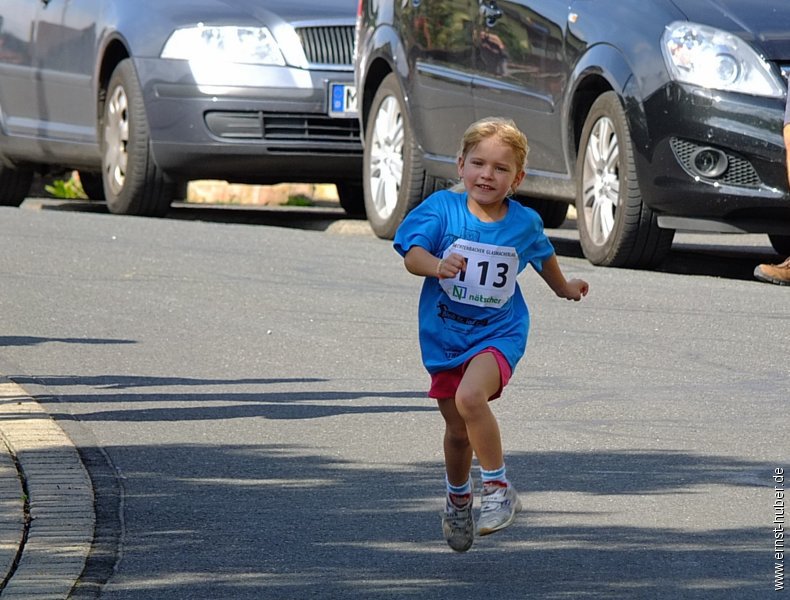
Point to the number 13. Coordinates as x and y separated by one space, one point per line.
483 265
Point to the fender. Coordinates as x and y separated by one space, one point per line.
601 68
383 53
113 48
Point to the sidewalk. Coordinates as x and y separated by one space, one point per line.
44 538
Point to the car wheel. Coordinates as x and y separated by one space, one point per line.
14 185
352 198
92 185
781 243
393 173
551 212
616 229
133 184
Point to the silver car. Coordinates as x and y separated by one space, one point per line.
141 96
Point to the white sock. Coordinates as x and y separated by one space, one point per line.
499 474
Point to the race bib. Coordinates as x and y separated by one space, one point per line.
490 276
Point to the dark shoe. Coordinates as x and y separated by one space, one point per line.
778 274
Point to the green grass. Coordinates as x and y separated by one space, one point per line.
69 189
298 200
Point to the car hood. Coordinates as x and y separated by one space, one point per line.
298 11
763 23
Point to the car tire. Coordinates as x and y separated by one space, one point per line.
15 184
133 184
352 198
781 243
616 228
393 172
552 212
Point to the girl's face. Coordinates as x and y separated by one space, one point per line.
489 172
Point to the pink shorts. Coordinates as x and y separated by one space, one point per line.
445 383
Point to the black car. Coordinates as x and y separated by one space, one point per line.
649 115
141 96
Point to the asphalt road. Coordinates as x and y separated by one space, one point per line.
251 406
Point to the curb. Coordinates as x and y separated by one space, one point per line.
61 516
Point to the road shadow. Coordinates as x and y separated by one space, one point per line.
157 405
122 382
293 521
26 340
297 524
318 217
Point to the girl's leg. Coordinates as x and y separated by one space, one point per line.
457 449
458 524
499 500
481 380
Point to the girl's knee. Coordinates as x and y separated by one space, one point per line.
470 403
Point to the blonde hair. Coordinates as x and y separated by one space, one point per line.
504 129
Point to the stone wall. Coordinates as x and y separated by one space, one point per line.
222 192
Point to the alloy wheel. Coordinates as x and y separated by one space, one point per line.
601 181
386 157
116 139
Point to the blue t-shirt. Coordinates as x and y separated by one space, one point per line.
482 307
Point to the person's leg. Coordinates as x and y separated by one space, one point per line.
457 521
480 382
457 449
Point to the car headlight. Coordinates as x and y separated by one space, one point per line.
252 45
712 58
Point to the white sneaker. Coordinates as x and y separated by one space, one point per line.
498 507
458 525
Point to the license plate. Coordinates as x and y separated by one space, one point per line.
342 100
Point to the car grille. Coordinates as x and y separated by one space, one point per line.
285 128
309 127
739 172
328 45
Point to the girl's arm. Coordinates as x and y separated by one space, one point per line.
574 289
420 262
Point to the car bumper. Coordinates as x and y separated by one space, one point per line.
206 124
678 123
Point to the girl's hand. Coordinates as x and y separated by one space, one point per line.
576 289
450 267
